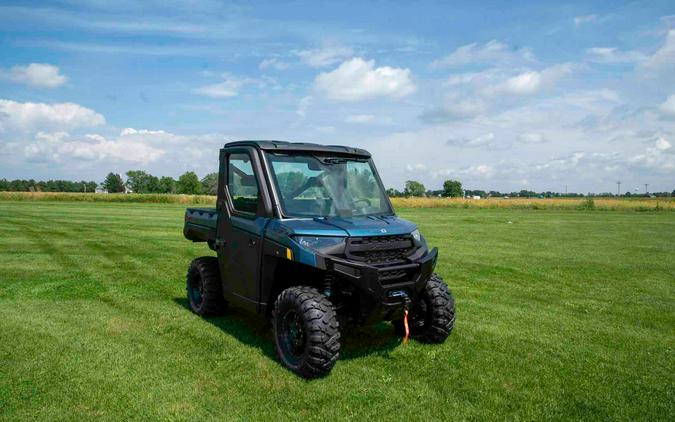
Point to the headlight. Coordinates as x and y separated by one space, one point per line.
418 239
324 244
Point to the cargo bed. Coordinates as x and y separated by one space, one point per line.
200 224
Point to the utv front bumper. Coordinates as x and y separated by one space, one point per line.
383 291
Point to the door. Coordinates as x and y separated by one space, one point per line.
241 228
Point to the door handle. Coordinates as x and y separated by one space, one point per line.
251 242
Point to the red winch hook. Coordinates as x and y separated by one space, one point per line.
405 325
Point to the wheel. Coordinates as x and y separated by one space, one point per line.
204 288
306 331
431 320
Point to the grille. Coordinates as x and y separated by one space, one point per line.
379 249
393 275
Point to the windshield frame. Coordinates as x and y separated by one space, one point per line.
278 199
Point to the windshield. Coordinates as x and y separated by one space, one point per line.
322 186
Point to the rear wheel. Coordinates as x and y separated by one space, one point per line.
306 331
204 288
431 320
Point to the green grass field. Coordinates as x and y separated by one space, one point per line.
561 315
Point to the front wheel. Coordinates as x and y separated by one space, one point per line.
306 331
431 320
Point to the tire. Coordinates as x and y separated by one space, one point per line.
431 320
306 331
204 288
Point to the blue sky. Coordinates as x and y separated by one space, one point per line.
507 97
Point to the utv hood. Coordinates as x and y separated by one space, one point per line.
351 226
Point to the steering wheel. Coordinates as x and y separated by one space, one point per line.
366 200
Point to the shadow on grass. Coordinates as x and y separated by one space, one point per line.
253 330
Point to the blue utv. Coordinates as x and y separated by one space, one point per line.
306 236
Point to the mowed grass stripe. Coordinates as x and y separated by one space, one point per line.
561 314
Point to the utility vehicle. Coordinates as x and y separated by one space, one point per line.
306 236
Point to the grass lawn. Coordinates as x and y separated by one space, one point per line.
560 314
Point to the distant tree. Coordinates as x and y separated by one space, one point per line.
452 188
166 184
189 184
361 182
393 193
526 193
414 188
210 184
141 182
289 181
113 183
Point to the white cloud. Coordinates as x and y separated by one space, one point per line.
664 57
303 106
358 79
360 118
60 147
129 131
531 138
613 55
659 158
580 20
662 144
493 52
273 63
484 140
667 109
540 139
35 74
528 83
229 87
28 117
472 94
415 168
158 138
523 84
480 170
454 109
325 56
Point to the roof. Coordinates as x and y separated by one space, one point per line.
301 147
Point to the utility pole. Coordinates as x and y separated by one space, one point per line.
618 188
646 191
565 190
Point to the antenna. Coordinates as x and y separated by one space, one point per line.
618 188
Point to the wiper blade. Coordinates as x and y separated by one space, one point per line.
333 160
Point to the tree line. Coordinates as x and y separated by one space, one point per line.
31 185
137 181
453 188
140 181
